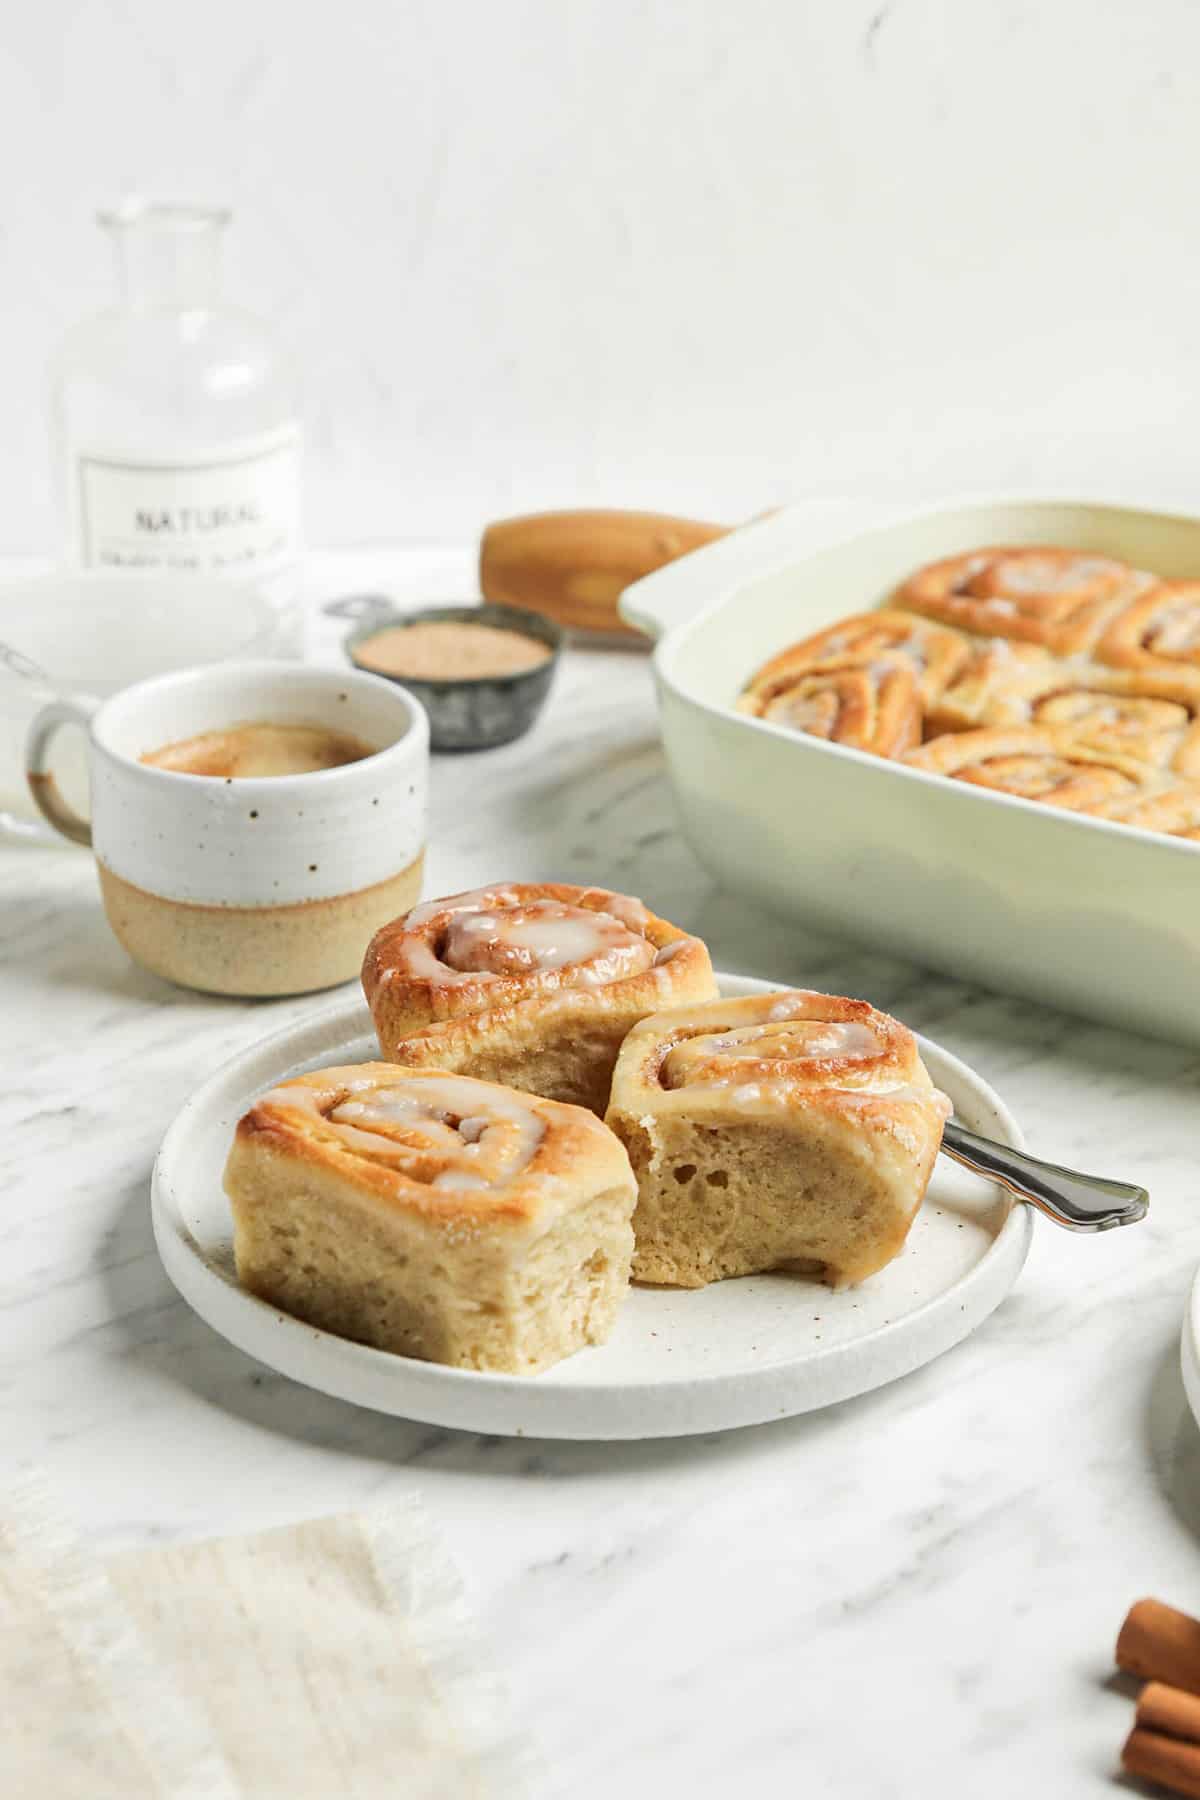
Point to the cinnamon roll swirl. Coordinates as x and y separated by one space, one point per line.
1159 628
863 682
1058 599
786 1131
432 1215
1052 766
875 707
1152 714
531 984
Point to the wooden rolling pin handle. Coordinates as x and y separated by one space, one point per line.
1160 1644
574 566
1169 1710
1169 1761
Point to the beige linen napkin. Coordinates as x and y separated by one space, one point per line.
334 1658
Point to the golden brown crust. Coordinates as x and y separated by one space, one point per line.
863 682
1159 628
1058 599
1100 659
875 706
529 983
776 1131
411 1167
1151 714
403 971
771 1053
1036 763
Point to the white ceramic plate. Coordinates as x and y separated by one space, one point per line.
736 1353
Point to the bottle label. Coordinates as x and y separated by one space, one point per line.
235 512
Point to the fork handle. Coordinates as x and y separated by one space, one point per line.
1080 1202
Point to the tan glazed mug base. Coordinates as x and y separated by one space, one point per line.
259 952
258 885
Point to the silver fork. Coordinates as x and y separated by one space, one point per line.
1080 1202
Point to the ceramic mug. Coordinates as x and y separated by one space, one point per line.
261 885
95 631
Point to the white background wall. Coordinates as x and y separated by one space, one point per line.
700 256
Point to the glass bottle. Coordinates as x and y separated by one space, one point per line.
177 417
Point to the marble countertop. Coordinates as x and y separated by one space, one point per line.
911 1593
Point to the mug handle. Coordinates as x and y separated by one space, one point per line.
42 785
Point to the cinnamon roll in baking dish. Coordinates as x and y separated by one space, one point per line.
863 682
875 706
1058 599
785 1131
531 984
1152 714
433 1215
1159 628
1036 763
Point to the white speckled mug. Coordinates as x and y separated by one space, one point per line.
267 885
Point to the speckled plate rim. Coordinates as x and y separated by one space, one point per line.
521 1406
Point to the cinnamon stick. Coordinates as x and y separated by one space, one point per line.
1170 1711
1152 1757
1161 1644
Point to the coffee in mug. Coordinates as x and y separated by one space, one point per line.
249 752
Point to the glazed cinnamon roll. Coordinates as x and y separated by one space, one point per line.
1151 714
432 1215
531 984
1058 599
865 681
1159 628
786 1131
1037 763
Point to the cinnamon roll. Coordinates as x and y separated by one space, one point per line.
531 984
432 1215
1036 763
1058 599
785 1131
1152 714
1159 628
863 682
875 707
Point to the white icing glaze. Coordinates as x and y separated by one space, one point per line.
543 935
803 711
475 901
491 935
1178 630
446 1130
717 1059
1036 575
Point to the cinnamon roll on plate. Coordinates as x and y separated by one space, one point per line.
1058 599
531 984
785 1131
432 1215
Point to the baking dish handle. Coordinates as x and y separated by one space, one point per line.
683 589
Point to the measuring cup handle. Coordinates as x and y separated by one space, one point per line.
42 785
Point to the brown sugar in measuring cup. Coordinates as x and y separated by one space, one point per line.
482 673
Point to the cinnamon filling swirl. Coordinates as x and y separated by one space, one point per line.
786 1048
1049 777
493 935
444 1131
